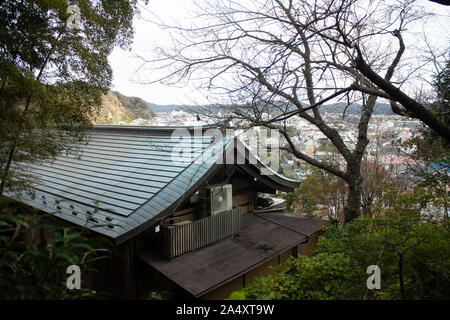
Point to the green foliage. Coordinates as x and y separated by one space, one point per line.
236 296
413 255
34 267
320 194
159 295
324 276
53 77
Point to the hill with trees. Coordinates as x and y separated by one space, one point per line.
135 105
116 108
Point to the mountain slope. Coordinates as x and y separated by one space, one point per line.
117 108
136 105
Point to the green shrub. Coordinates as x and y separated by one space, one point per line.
413 255
33 268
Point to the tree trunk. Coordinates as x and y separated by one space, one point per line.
352 208
400 276
13 147
7 167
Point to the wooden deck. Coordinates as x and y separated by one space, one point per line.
261 238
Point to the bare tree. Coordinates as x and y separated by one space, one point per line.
286 58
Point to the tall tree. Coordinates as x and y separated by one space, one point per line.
286 58
53 70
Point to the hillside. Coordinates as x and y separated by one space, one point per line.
117 108
136 105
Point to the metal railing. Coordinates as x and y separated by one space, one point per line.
183 238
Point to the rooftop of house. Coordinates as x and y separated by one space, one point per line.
128 178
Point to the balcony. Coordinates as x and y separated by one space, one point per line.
192 235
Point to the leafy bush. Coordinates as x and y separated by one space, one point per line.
319 277
34 267
413 255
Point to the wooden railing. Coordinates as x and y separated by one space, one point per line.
184 238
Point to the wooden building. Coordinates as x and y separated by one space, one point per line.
180 205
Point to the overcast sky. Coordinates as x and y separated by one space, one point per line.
148 35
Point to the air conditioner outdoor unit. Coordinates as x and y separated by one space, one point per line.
221 198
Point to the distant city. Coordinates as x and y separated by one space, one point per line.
386 132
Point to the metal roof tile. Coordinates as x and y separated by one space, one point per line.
125 174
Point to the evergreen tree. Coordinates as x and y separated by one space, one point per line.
53 70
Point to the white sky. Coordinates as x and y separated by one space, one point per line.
148 35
